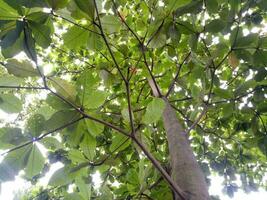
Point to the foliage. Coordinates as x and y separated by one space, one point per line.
80 90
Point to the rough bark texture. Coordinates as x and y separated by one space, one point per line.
185 169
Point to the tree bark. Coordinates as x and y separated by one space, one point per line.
185 170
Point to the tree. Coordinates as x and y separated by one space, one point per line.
155 95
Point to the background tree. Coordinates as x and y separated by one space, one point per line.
131 89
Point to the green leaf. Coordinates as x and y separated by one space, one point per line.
245 86
10 103
262 144
215 26
88 81
51 143
88 146
8 80
10 50
12 42
57 4
10 137
7 12
194 7
94 42
195 91
22 68
174 4
38 17
73 196
262 107
29 44
251 40
119 143
60 119
259 58
227 109
193 42
159 40
75 37
154 111
212 6
87 6
7 26
76 156
223 93
132 177
60 177
35 125
94 128
174 33
64 88
85 189
94 98
35 162
110 23
125 114
13 163
41 34
57 103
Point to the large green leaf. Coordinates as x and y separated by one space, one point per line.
60 177
51 143
35 162
13 41
72 196
250 40
85 189
22 68
13 163
159 40
8 80
212 6
94 128
174 4
57 4
35 125
64 88
215 26
224 93
60 119
76 156
10 103
88 146
75 37
10 137
111 23
154 111
242 88
29 44
57 103
119 143
87 6
7 12
41 34
94 98
94 42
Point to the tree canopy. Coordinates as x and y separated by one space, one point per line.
77 75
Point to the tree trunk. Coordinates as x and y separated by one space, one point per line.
185 170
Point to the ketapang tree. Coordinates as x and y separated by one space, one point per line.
155 95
